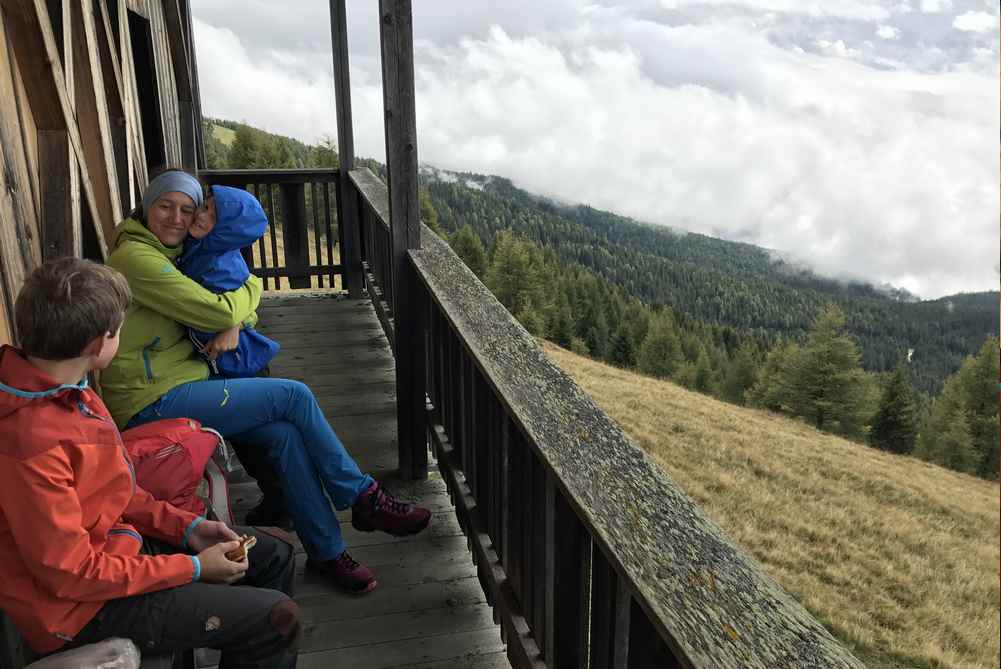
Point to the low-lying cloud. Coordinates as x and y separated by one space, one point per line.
804 127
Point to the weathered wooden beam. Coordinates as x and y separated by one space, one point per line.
106 181
133 118
17 210
348 217
708 602
294 234
121 131
61 225
45 84
404 214
180 60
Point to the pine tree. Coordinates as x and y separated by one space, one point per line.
428 214
623 350
245 152
469 248
946 438
741 375
660 354
978 379
704 380
827 381
894 428
773 389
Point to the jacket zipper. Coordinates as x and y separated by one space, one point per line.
121 445
146 358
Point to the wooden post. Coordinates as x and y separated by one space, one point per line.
294 234
348 220
397 40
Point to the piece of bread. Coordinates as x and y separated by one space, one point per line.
239 554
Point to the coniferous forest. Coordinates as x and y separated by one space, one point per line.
723 318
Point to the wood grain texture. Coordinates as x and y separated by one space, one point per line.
429 609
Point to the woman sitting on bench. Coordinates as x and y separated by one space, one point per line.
159 374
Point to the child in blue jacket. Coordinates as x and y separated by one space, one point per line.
231 219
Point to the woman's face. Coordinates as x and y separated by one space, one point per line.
204 220
171 217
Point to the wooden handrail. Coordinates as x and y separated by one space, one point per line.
589 552
295 201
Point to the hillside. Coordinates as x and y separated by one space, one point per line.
898 558
224 135
724 283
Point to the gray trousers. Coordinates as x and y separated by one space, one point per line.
253 622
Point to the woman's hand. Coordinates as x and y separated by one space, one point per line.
217 568
209 533
227 340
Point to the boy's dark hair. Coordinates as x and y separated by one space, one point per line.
65 304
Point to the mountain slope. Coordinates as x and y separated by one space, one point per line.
898 558
721 282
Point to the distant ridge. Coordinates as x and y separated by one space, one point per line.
755 290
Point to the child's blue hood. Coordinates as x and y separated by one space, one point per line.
215 261
240 221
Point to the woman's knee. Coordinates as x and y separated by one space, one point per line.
299 391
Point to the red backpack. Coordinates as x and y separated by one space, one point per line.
170 456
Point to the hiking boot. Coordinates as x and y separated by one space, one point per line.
377 509
346 573
269 513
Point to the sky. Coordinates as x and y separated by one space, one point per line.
857 136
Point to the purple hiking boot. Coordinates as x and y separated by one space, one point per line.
346 573
376 509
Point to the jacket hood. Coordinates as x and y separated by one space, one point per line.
23 384
131 230
240 221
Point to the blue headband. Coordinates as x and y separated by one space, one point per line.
173 181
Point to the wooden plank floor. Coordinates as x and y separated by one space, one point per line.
428 610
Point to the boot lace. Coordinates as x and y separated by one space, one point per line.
347 562
384 500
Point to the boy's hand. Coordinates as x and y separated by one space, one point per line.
227 340
209 533
217 568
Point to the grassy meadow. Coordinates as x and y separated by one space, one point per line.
898 558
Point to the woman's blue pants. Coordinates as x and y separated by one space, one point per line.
283 418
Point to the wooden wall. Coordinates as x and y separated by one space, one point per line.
74 152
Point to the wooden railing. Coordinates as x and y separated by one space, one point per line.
302 246
589 553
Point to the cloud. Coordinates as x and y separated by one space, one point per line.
888 32
846 9
873 171
936 6
976 22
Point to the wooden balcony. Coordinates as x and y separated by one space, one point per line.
587 553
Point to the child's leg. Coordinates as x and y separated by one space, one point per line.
253 627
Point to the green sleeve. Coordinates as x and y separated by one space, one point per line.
158 285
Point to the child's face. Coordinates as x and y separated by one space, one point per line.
204 220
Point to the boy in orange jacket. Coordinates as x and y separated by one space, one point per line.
86 554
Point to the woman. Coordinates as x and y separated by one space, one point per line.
158 374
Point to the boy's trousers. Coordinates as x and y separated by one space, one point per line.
253 622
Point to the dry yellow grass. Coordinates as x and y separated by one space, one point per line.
898 558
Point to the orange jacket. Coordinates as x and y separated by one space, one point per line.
70 510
